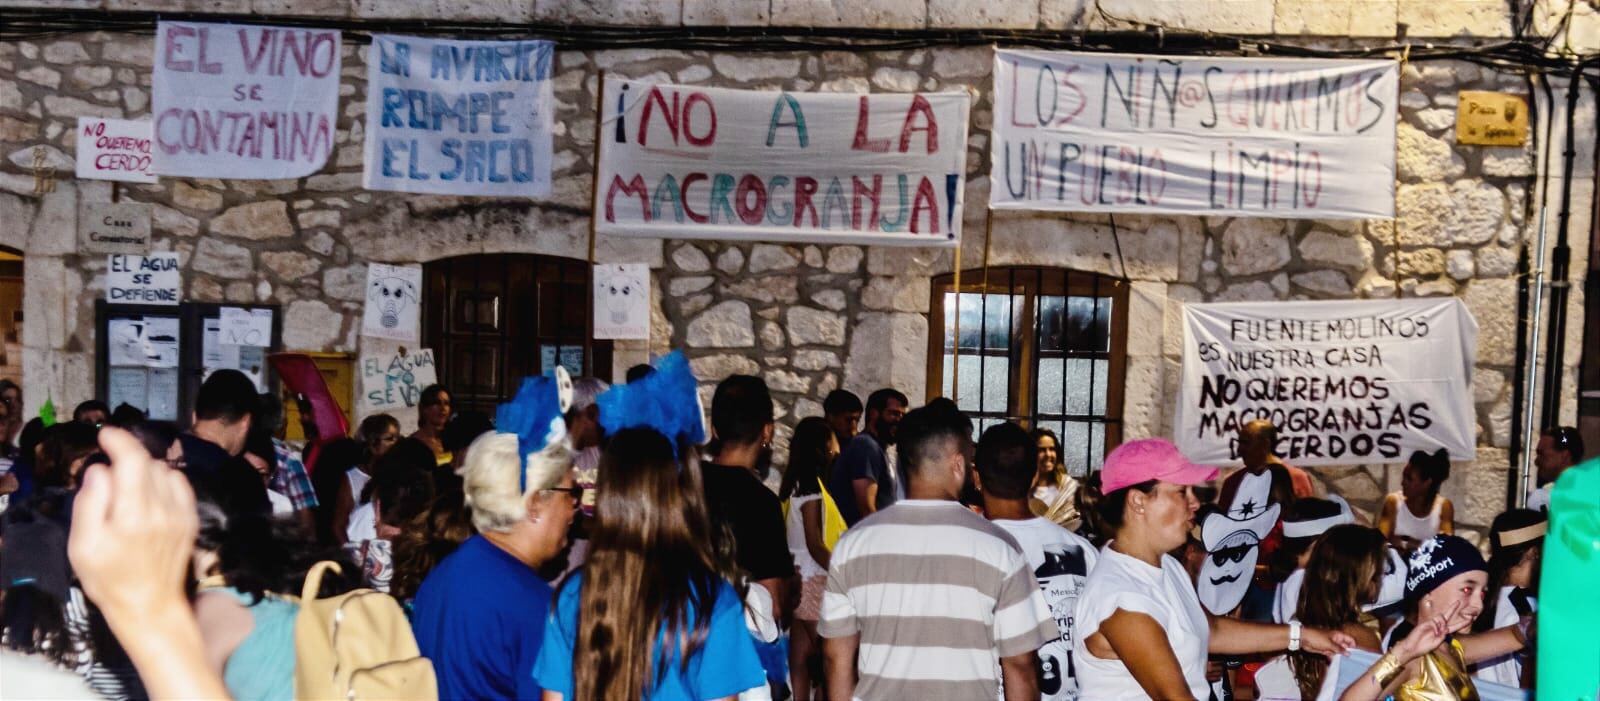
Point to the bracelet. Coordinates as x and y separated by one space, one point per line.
1294 636
1386 669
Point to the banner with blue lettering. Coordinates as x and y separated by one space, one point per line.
1262 137
452 117
693 162
1346 382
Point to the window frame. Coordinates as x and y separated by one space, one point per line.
1030 283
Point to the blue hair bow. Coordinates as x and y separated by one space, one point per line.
668 400
535 415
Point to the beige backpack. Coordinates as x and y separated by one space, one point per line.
356 645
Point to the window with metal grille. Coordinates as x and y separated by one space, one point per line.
1044 347
494 319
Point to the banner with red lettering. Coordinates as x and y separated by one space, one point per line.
711 163
1264 137
1345 382
248 102
114 149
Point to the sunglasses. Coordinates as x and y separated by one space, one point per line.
575 491
1236 553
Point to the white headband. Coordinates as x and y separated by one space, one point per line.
1316 527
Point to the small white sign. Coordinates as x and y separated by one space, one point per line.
151 279
114 149
622 301
114 228
245 327
393 301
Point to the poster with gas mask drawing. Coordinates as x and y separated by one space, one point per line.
393 302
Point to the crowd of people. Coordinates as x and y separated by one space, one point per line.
900 556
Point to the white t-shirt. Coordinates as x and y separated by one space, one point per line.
1166 594
358 481
280 503
1061 560
363 524
1286 600
796 533
1539 499
1506 669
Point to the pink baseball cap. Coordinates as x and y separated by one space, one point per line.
1150 459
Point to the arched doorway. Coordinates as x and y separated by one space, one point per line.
494 319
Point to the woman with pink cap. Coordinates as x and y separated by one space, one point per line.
1145 634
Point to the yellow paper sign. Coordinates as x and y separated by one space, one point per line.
1491 118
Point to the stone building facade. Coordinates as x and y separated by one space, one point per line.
807 318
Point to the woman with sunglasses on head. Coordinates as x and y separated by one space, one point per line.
1429 654
1143 633
651 614
480 614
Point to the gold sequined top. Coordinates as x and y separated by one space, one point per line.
1439 680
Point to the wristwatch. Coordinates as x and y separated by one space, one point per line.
1294 636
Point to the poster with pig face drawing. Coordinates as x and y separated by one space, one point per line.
622 300
393 302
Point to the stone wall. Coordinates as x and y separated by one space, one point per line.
807 318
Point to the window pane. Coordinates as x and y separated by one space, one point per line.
992 374
1072 375
993 324
1082 447
1081 324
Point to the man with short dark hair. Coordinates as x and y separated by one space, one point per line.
223 410
742 423
842 410
93 412
1559 448
925 598
863 478
1060 559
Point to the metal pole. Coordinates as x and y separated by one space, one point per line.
1536 290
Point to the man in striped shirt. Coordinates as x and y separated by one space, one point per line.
925 599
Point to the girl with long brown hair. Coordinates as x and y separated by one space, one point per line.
1342 576
650 614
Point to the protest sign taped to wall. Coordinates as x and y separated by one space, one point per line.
459 117
694 162
243 101
395 380
114 149
1346 382
1208 135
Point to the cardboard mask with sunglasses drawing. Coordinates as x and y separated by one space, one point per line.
1232 547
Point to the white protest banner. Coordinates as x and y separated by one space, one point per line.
393 295
1345 382
114 149
243 101
459 117
396 380
1266 137
692 162
621 301
151 279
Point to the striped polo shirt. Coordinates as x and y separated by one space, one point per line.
938 596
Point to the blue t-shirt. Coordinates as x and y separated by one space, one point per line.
725 665
479 616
